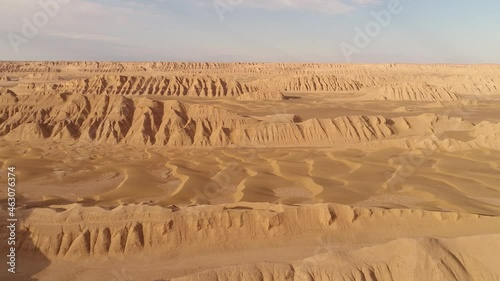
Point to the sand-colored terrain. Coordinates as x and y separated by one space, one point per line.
252 171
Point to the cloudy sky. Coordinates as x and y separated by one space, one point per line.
371 31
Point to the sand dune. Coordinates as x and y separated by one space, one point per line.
252 171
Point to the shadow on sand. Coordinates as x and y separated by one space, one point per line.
29 260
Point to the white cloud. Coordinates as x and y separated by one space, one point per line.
79 36
324 6
75 15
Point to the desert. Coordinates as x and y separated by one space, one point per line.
251 171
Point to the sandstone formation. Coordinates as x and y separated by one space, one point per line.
204 86
411 92
324 231
117 119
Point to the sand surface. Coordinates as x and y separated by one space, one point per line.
252 171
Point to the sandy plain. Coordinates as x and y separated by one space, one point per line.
252 171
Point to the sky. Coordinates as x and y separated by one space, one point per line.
332 31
